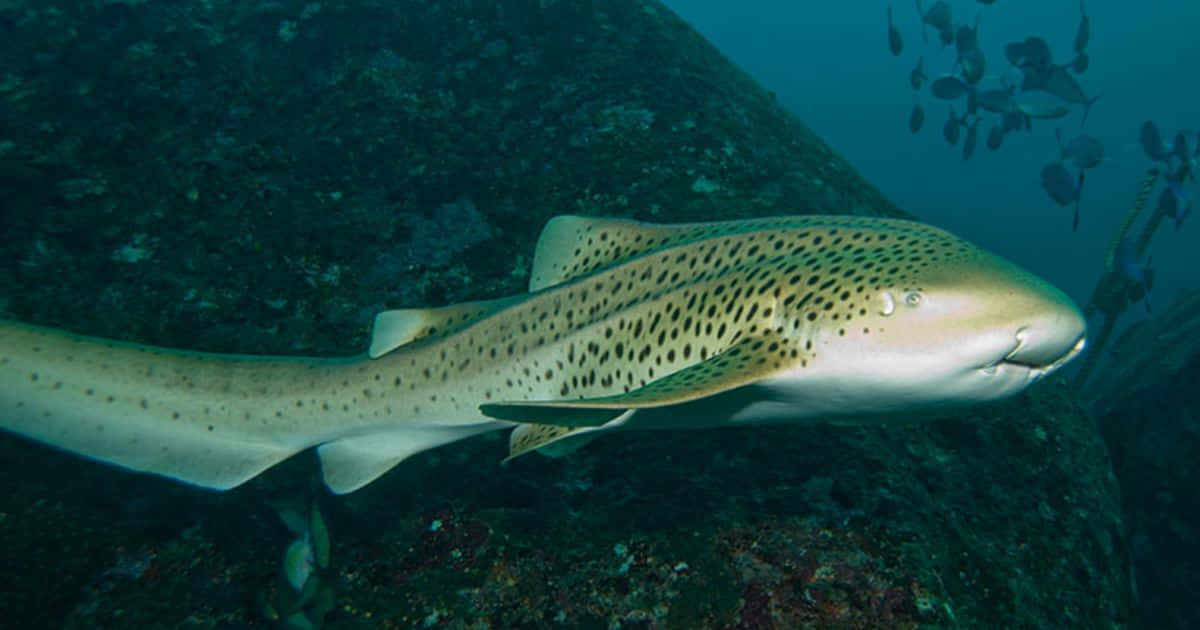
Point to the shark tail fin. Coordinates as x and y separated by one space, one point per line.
197 418
128 406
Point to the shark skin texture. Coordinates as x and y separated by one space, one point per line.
626 326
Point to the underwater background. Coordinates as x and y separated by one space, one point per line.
264 177
830 64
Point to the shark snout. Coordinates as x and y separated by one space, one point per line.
1050 339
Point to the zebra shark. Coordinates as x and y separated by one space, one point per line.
626 325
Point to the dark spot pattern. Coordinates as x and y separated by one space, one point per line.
640 302
660 310
534 436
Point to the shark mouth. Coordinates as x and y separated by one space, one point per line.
1037 359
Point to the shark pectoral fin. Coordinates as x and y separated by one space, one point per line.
350 463
560 413
549 440
396 328
745 362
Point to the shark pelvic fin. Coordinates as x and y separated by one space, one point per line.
549 440
745 362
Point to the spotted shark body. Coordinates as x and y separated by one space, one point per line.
626 326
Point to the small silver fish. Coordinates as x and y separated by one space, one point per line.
1083 150
1080 63
1043 111
1084 33
1015 121
1173 204
1152 142
966 38
997 101
894 41
1180 147
969 141
918 74
1061 84
995 137
1041 105
1138 273
972 100
1014 52
1063 188
916 118
973 65
939 17
948 88
1032 54
946 36
953 127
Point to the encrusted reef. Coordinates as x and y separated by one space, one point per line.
250 176
1146 397
262 177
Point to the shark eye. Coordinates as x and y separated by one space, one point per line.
912 298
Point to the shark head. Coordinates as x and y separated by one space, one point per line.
945 324
796 320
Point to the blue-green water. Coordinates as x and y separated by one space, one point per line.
829 63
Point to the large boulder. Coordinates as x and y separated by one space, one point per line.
1146 399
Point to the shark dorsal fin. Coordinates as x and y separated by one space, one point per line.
747 361
572 246
398 327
